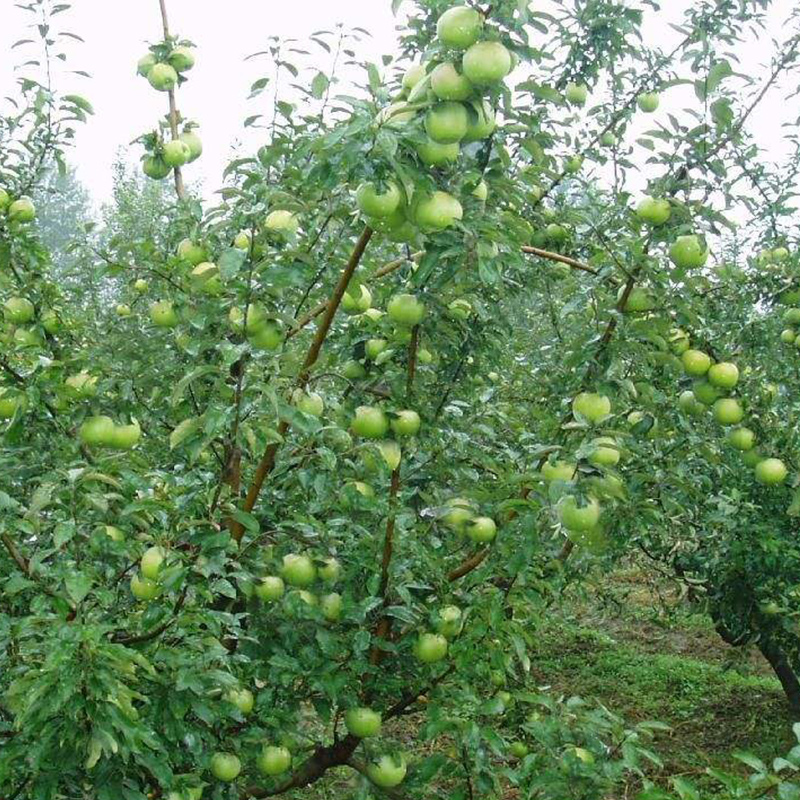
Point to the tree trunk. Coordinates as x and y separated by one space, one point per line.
783 669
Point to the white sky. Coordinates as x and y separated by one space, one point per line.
117 33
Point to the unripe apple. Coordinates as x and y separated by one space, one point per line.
145 64
114 533
576 94
724 375
459 309
155 167
446 122
126 437
330 570
459 27
243 699
357 301
608 139
269 589
175 153
437 211
518 749
163 315
770 471
594 408
449 84
413 76
679 341
648 102
181 59
486 63
654 211
378 201
788 335
458 514
151 562
362 722
195 144
331 606
162 77
705 393
639 301
309 403
695 363
482 529
97 431
123 310
18 310
727 411
605 453
449 621
430 647
406 423
281 223
741 438
193 253
481 122
388 771
10 402
374 347
353 371
364 489
578 518
370 422
225 767
481 191
573 164
424 356
688 252
22 210
688 403
82 384
405 309
140 285
559 471
274 760
298 570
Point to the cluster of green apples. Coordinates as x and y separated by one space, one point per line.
461 515
163 67
447 95
713 383
21 210
300 571
23 329
146 583
102 431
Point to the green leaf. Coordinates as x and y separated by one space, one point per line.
186 429
78 585
319 85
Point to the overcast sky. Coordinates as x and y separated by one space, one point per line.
117 32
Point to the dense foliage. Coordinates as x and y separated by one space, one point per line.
283 469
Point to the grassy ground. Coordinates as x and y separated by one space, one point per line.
645 656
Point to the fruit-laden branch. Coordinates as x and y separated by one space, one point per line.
571 262
180 190
267 463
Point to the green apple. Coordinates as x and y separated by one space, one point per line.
705 393
449 621
155 167
374 347
724 375
274 760
405 309
688 403
175 153
688 252
555 232
370 422
123 310
353 371
193 253
482 530
193 141
481 191
654 211
639 301
268 337
578 518
413 76
388 771
114 533
648 102
792 316
446 122
788 335
430 647
362 722
727 411
151 562
696 363
163 315
559 471
593 408
243 699
309 402
181 59
18 310
225 767
144 588
269 588
364 489
330 570
281 223
434 154
486 63
378 201
11 401
679 341
576 94
162 77
331 606
82 384
406 423
605 453
608 139
770 471
780 254
97 431
424 356
203 275
459 512
459 27
741 438
437 211
298 570
449 84
141 285
518 749
22 210
573 164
